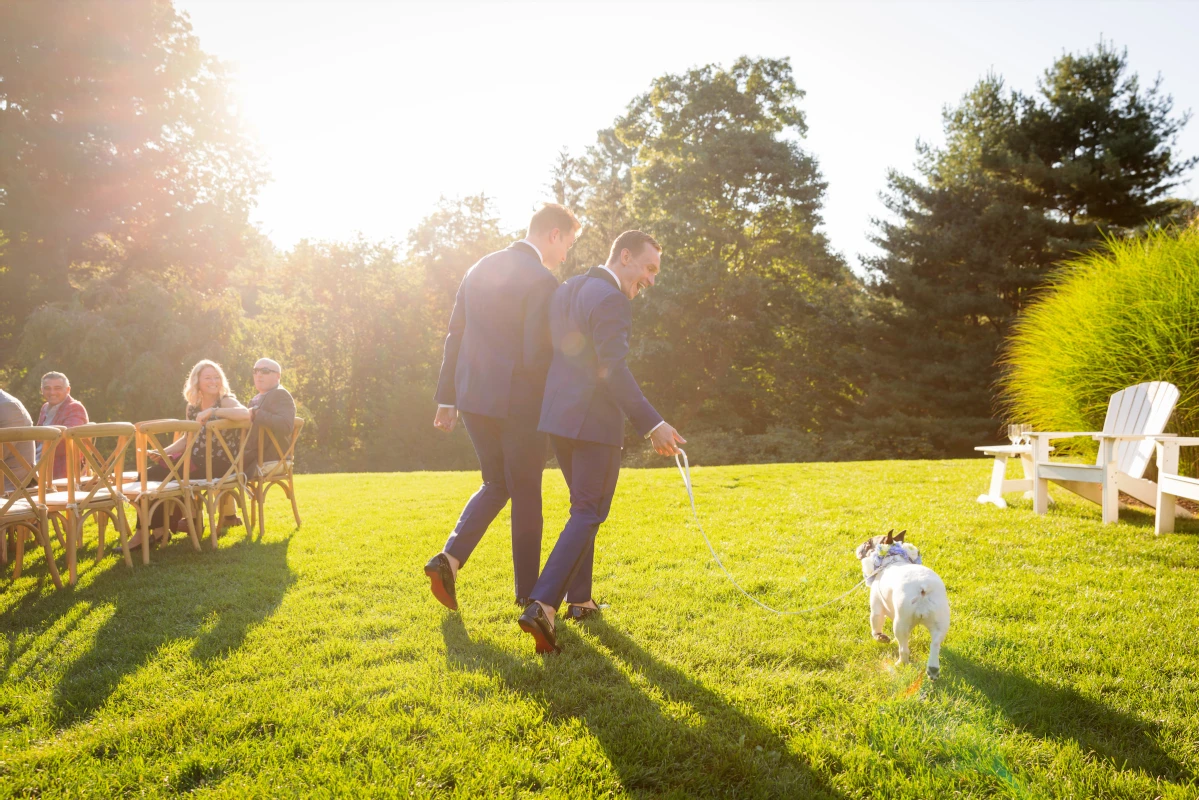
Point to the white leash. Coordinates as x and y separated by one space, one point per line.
685 471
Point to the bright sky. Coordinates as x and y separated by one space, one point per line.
368 112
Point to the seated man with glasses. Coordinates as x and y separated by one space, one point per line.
272 408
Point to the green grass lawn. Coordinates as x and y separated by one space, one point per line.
316 663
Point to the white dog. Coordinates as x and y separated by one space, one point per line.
906 592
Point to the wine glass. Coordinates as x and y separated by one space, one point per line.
1015 433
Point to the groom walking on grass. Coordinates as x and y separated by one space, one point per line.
588 394
493 373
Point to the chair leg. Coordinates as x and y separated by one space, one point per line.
252 520
44 530
1040 495
19 561
213 504
73 520
1163 520
101 525
5 535
58 532
1111 496
143 524
291 493
247 520
191 520
123 532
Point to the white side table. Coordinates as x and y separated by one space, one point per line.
999 483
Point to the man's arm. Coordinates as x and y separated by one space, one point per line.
446 395
538 349
611 323
73 416
277 414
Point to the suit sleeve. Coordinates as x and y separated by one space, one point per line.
611 323
538 349
74 416
446 394
278 415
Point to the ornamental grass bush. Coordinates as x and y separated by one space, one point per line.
1121 315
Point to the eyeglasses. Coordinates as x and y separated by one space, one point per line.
263 371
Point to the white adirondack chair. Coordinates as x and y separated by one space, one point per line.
1136 418
1171 485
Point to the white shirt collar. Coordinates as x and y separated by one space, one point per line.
536 249
614 275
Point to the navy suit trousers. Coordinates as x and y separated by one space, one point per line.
512 456
591 471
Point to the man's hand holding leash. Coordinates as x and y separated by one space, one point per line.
665 440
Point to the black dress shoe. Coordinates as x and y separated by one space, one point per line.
441 581
523 602
535 623
580 613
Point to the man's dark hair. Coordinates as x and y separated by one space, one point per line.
552 215
634 241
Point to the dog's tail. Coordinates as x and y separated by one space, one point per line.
922 603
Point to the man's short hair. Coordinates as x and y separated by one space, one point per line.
56 376
634 241
552 215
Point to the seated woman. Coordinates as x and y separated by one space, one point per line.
208 397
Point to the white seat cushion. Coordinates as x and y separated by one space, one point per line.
20 508
133 490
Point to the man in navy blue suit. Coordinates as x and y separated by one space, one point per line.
493 375
589 393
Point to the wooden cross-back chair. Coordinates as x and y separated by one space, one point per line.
99 493
279 472
23 508
176 489
222 438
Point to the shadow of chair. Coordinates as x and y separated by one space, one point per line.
216 600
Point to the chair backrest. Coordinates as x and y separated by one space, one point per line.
217 441
107 472
1144 409
28 480
285 455
149 444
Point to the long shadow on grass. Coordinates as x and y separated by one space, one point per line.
1052 712
703 747
211 597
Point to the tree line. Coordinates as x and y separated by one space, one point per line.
126 252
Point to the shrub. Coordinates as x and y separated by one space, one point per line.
1118 316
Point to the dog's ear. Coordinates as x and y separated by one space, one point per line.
899 537
889 539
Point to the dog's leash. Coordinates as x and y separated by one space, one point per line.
685 470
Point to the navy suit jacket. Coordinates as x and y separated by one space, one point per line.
498 349
590 389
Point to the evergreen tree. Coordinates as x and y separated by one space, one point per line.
1022 182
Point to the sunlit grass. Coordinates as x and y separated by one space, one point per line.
314 663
